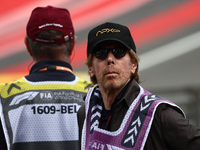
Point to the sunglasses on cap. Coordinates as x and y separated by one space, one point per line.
103 53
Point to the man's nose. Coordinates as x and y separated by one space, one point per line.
110 58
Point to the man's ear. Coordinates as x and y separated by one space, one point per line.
91 71
27 46
134 67
72 45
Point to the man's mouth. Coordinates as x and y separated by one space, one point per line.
111 73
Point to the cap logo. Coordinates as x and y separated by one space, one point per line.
106 30
44 41
50 24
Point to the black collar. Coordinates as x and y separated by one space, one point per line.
45 63
119 96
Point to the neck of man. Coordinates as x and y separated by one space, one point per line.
109 96
62 58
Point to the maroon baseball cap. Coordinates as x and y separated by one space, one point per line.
50 18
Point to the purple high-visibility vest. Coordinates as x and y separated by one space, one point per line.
134 129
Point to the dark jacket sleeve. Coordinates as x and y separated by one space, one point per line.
177 132
3 145
81 118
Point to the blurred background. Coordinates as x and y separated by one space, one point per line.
166 33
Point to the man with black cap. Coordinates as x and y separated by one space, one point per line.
118 112
38 111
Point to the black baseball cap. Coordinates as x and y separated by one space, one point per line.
110 31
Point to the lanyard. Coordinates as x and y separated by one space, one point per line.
56 68
106 123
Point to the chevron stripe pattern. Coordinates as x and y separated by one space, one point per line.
138 120
96 109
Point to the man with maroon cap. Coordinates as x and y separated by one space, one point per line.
38 111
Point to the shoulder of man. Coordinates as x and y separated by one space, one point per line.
10 88
87 84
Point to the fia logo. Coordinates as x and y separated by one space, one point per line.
96 145
46 95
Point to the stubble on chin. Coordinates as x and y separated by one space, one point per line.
110 82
